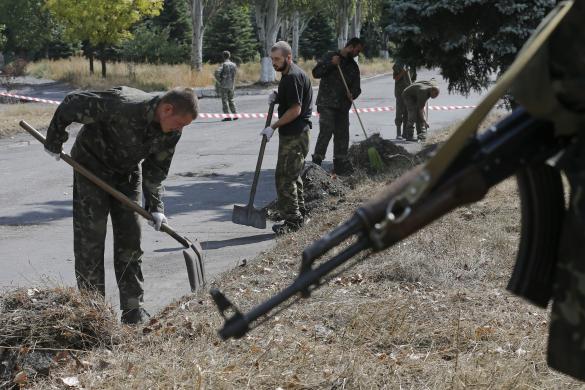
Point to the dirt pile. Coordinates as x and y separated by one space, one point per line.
321 190
41 327
394 157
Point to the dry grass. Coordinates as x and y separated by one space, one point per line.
37 114
152 77
430 312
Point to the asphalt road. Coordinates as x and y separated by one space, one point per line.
212 170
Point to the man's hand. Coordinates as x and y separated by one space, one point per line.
272 97
56 156
157 220
350 96
268 132
336 60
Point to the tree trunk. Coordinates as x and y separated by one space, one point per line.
91 68
197 38
344 12
295 35
103 60
356 21
268 25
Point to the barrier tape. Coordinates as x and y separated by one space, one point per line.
245 115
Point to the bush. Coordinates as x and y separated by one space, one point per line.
152 44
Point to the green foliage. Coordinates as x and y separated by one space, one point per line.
468 40
153 44
3 38
318 38
101 22
29 27
175 15
231 29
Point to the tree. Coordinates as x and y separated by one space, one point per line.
468 40
319 37
101 23
29 27
201 10
231 30
268 25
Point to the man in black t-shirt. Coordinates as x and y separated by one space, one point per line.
295 105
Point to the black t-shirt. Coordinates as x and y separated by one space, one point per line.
295 88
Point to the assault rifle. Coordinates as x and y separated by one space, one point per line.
461 172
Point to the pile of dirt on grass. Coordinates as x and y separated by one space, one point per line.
41 327
321 190
394 157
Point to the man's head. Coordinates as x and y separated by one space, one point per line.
281 54
226 55
434 92
354 47
176 109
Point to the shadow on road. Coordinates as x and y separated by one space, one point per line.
210 245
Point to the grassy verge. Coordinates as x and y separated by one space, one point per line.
151 77
431 312
37 114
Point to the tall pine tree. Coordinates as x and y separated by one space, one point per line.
231 30
318 38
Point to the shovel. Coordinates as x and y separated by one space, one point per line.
248 215
195 268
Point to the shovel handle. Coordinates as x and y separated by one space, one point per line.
352 102
260 158
105 186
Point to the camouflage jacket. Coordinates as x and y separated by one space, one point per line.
332 92
401 77
226 75
118 133
417 93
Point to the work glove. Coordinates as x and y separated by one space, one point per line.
157 220
272 97
268 132
56 156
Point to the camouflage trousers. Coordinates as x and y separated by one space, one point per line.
292 151
227 100
334 123
401 117
566 343
91 207
414 119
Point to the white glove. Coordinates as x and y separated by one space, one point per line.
268 132
157 220
272 97
56 156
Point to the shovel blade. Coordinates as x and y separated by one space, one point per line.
195 267
249 216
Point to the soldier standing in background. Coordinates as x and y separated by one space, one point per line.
295 106
415 98
225 77
402 80
333 103
128 140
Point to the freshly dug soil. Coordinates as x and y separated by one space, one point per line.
320 188
394 157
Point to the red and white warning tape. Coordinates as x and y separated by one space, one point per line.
245 115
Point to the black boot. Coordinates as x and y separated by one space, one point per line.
134 316
287 226
342 167
317 160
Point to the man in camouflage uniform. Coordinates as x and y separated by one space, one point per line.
401 77
295 106
225 77
415 98
128 139
334 103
